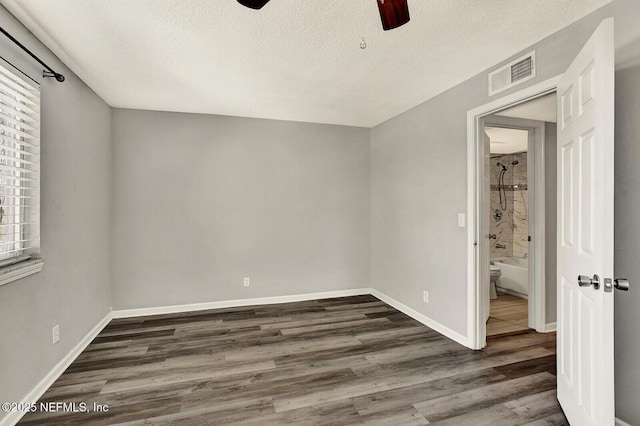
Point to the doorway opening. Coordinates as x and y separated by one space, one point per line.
512 284
519 203
509 232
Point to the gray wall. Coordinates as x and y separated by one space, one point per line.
550 207
73 289
418 178
419 185
627 244
202 201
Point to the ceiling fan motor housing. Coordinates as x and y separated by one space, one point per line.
393 13
253 4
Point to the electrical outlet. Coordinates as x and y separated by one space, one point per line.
55 331
425 296
247 282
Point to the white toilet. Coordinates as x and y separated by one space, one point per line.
494 274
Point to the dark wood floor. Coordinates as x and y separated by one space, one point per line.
342 361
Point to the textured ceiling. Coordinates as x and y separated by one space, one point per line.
292 60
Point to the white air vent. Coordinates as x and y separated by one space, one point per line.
512 74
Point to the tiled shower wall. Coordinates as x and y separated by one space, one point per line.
512 230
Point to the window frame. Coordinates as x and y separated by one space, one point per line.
20 121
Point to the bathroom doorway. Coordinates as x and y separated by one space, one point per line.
519 206
509 231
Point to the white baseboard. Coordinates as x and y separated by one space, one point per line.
446 331
141 312
34 395
621 422
551 326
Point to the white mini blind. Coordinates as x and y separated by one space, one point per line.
19 167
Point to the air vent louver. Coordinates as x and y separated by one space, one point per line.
512 74
522 69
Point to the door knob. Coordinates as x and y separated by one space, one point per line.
621 284
585 281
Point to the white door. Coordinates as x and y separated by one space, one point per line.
585 232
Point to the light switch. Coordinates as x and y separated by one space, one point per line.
461 220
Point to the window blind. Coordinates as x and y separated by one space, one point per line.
19 167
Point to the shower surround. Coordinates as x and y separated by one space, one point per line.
512 229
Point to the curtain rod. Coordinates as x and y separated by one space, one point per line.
49 72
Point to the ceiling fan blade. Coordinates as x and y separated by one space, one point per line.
253 4
393 13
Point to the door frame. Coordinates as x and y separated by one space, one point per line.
476 328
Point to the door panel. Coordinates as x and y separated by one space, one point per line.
568 196
585 237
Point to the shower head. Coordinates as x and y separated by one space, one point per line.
514 163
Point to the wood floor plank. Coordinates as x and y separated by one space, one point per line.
279 349
206 414
529 367
404 333
404 417
522 340
111 353
408 351
482 397
535 406
351 325
66 393
185 374
295 323
394 399
340 361
557 419
497 415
